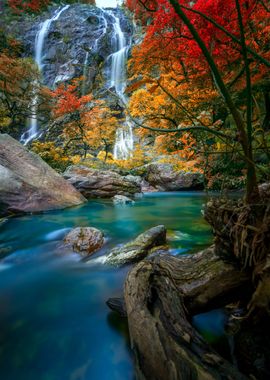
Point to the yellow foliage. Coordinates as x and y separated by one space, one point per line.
179 164
53 155
102 155
138 159
76 159
166 95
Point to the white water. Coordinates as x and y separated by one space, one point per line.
42 33
103 26
117 75
124 142
108 3
85 73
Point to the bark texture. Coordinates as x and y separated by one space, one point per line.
160 295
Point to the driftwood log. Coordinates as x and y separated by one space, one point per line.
160 296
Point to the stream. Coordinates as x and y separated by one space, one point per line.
54 323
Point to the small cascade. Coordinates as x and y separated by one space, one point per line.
43 31
124 136
103 26
95 47
85 73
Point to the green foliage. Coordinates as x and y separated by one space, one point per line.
225 172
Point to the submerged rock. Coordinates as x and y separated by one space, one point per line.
28 184
122 200
84 240
93 183
139 248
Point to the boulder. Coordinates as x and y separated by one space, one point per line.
84 240
134 179
139 248
165 178
122 200
93 183
28 184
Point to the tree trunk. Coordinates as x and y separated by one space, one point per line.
160 296
245 131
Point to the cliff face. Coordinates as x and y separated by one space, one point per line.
77 43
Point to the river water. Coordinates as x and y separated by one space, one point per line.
54 323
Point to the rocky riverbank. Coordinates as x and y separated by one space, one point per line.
28 184
100 183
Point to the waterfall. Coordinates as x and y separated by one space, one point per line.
85 73
124 135
103 27
42 33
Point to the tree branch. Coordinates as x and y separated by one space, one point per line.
235 39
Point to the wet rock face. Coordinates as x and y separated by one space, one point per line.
77 43
84 240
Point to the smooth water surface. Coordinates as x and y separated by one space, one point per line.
54 323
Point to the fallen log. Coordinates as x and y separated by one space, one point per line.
160 295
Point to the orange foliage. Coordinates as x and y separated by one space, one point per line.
68 99
83 117
18 83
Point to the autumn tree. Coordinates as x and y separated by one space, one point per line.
221 47
82 119
211 47
100 132
18 85
142 9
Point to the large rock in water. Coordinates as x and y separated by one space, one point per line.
165 178
28 184
84 240
93 183
139 248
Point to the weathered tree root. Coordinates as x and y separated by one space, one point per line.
243 231
160 296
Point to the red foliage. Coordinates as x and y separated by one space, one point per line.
142 12
34 6
68 99
167 35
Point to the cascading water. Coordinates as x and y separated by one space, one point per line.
44 29
92 35
85 72
103 28
124 135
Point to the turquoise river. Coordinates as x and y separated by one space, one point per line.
54 322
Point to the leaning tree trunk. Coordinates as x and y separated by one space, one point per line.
160 296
